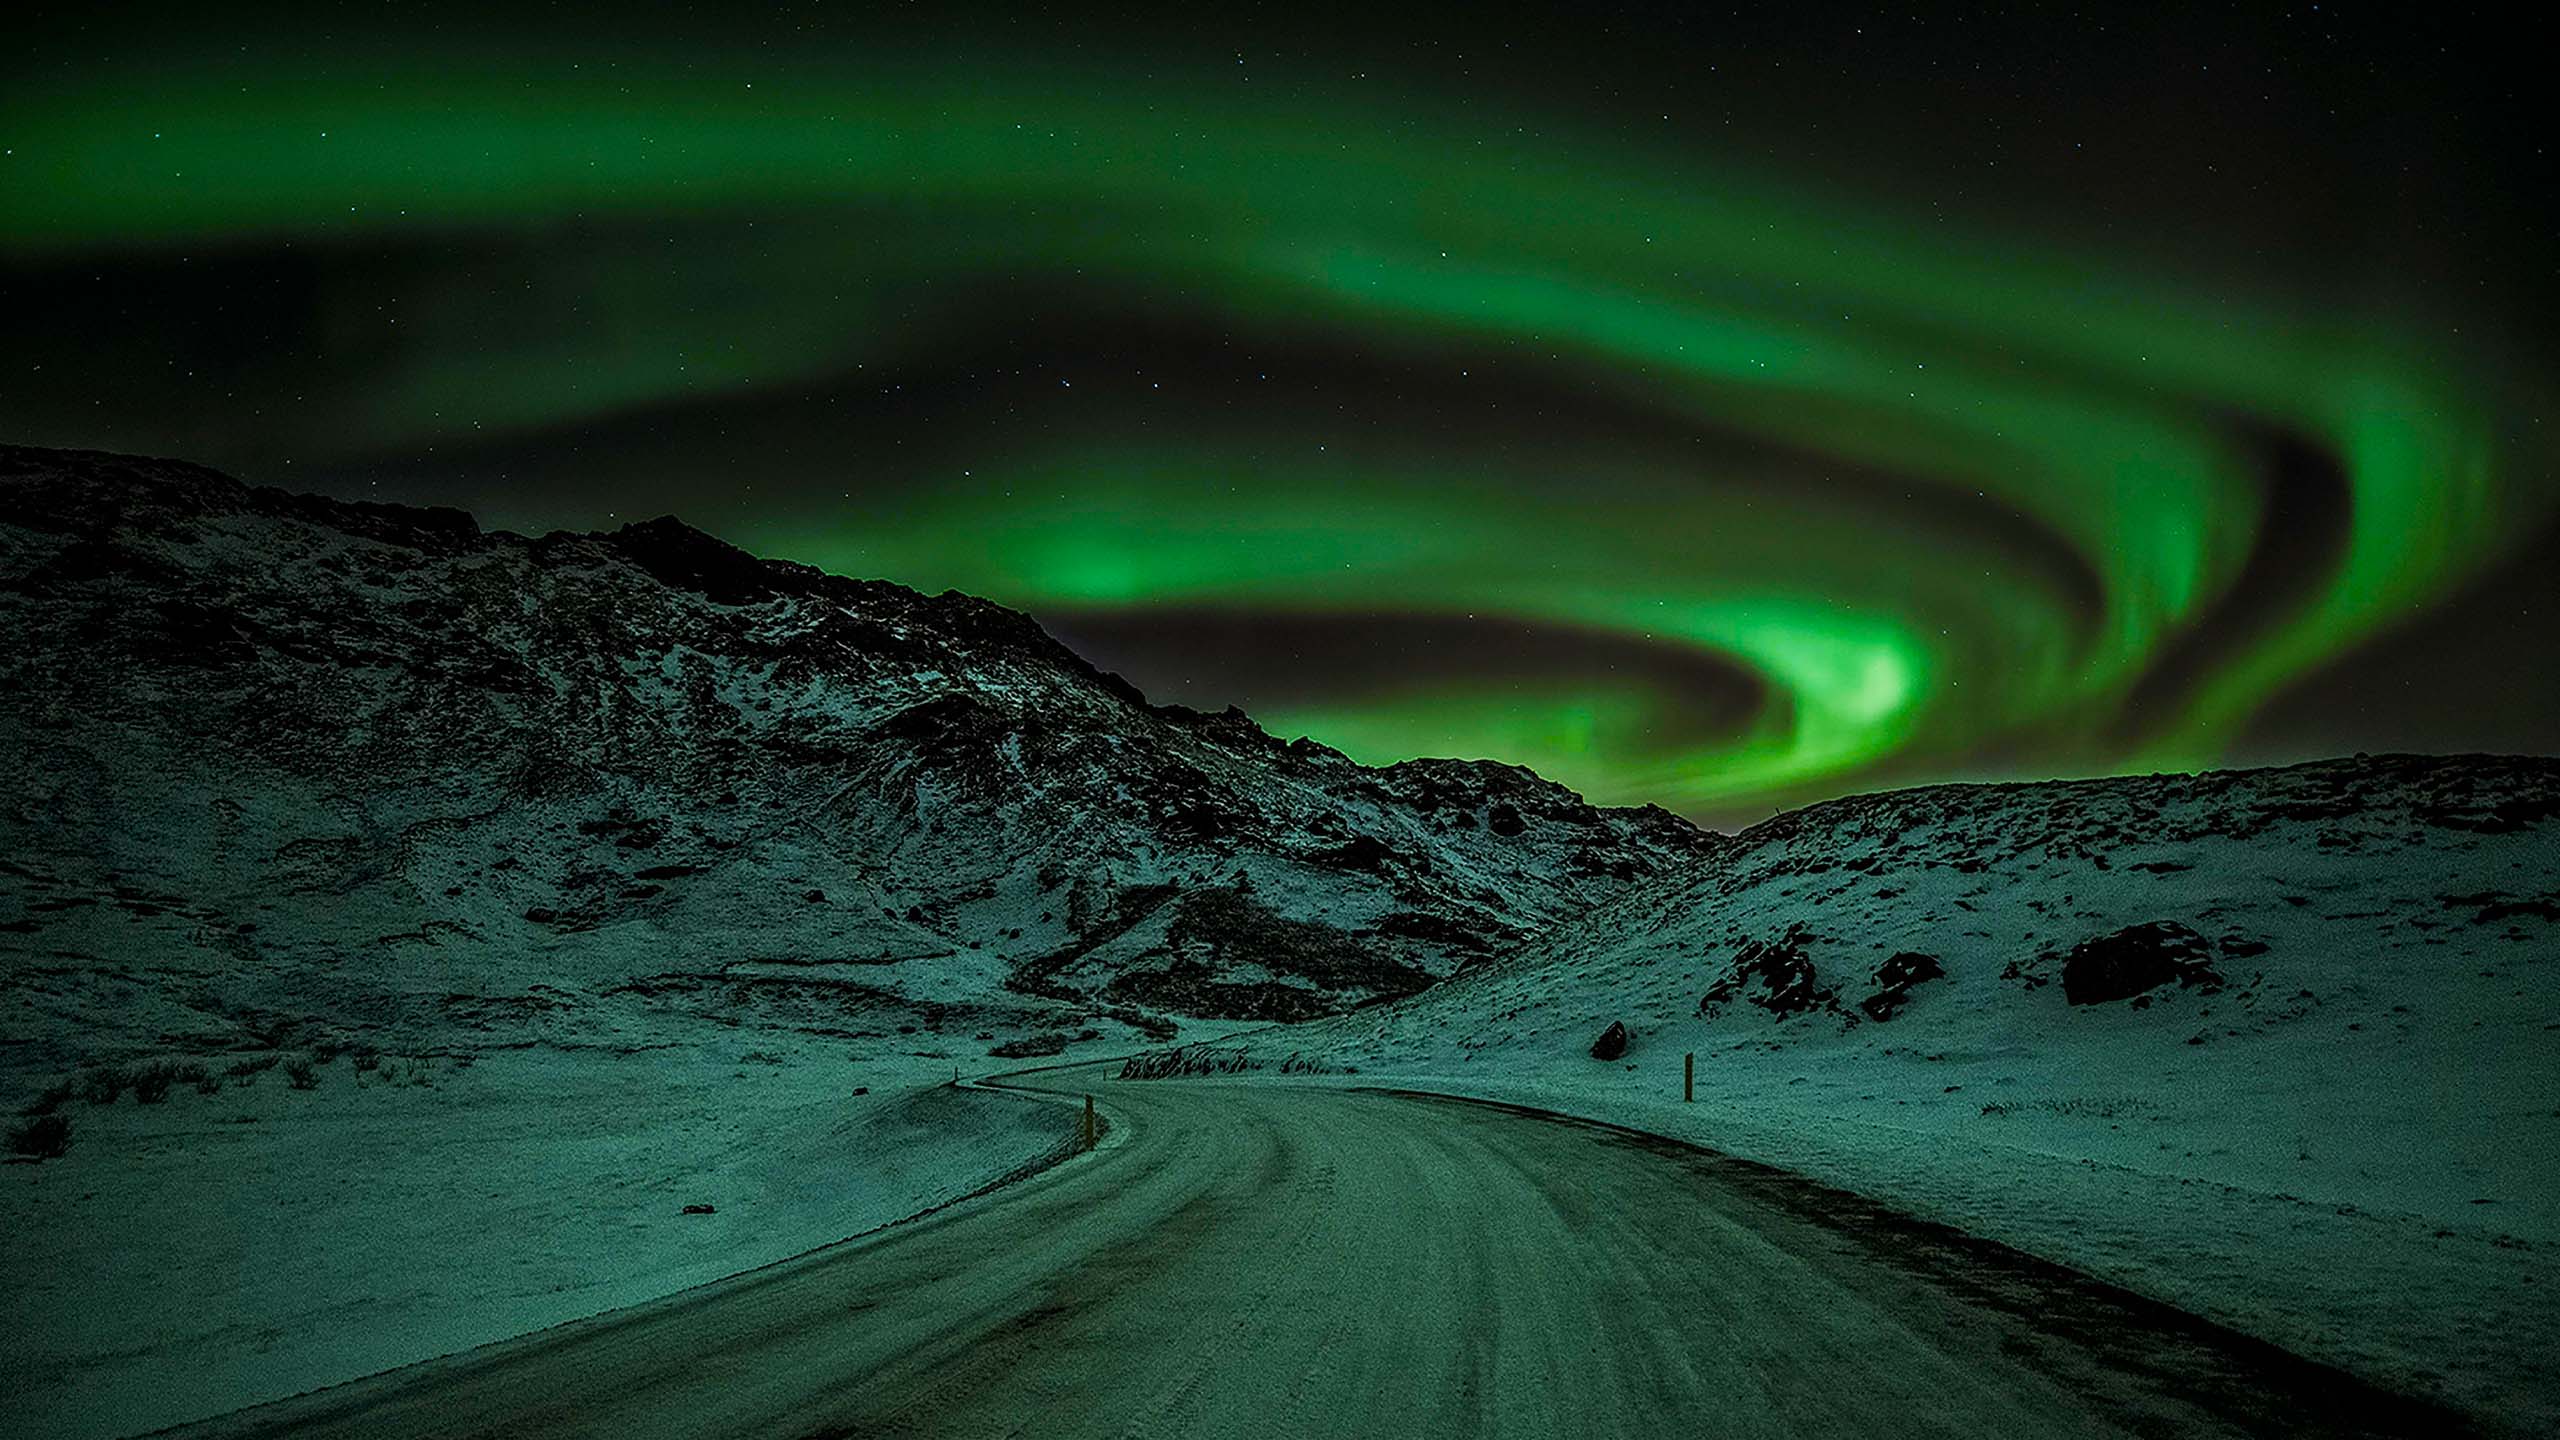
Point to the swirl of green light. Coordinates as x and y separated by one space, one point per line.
2095 399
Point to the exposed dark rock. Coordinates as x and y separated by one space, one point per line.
1474 933
2504 817
2136 961
1894 979
699 1210
1774 975
1365 852
1612 1042
1188 987
690 560
1616 868
1238 928
46 1137
1200 820
572 730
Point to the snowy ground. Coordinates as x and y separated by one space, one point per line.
1247 1259
2447 1302
2349 1144
212 1251
2337 1126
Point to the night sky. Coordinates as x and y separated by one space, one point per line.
1717 409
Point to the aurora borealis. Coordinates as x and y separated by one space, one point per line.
1517 401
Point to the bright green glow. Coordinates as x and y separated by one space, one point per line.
2091 398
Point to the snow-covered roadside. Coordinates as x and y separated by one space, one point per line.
2277 1047
2448 1304
213 1251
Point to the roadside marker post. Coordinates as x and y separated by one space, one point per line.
1084 1131
1689 1078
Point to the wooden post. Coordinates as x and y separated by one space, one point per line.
1689 1078
1084 1134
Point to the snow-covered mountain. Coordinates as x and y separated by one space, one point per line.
2279 1046
558 822
2204 904
285 767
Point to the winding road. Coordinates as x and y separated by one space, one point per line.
1261 1259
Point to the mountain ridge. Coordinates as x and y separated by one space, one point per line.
316 729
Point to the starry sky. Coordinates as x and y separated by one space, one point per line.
1719 408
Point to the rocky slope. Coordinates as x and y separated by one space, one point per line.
2215 899
2280 1046
287 768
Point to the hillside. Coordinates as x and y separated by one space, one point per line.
423 935
293 768
2280 1046
478 903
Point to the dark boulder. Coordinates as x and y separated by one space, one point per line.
2136 961
1894 979
1612 1042
698 1210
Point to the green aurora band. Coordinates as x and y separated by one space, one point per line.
2115 409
